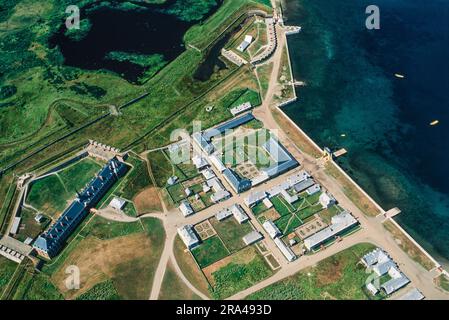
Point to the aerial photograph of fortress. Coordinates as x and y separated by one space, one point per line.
251 150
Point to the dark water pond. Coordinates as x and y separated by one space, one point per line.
144 31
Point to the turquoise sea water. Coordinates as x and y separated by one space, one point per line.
351 90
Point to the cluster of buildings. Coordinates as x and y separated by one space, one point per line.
298 183
282 161
274 233
51 242
292 181
212 183
220 192
236 211
381 264
191 240
340 223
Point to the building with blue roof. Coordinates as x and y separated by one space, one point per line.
205 145
284 160
229 125
50 243
238 184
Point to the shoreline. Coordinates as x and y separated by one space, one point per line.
279 106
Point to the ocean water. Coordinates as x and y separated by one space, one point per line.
353 100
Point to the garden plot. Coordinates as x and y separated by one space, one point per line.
311 227
205 230
231 232
247 170
237 272
210 251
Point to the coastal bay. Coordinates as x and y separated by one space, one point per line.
353 100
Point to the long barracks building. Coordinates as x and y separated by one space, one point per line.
50 243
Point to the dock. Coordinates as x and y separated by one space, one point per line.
298 83
391 213
289 30
340 153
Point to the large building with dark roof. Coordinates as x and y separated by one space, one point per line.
284 161
238 184
229 125
51 242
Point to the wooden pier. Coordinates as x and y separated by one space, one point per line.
340 153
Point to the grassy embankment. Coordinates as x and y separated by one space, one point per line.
7 269
340 277
353 193
408 246
285 79
442 281
8 195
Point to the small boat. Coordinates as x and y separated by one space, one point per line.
435 122
343 135
398 75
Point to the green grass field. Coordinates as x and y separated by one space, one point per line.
281 206
30 227
288 223
7 268
245 270
189 268
50 107
339 277
210 251
309 211
101 291
36 286
259 208
77 176
136 180
443 282
104 229
231 232
52 194
161 167
173 288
